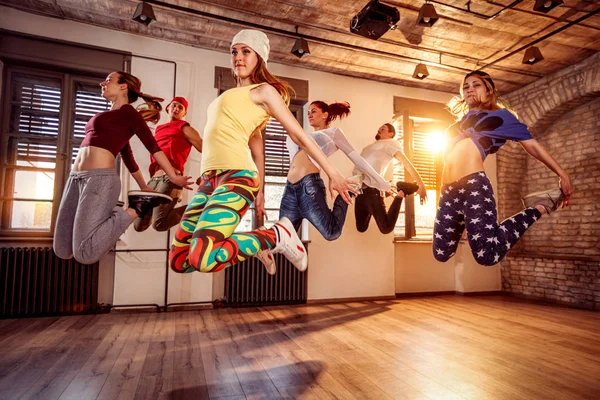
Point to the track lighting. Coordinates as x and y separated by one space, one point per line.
546 5
300 48
144 13
427 15
420 72
532 55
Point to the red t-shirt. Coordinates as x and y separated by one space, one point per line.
173 143
111 130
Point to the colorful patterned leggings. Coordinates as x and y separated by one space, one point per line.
204 240
469 202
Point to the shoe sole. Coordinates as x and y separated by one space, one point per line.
300 246
153 194
543 197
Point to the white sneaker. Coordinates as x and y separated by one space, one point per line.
267 259
289 244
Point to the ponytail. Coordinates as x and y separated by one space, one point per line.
335 110
150 111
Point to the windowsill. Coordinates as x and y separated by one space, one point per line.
26 239
417 240
413 240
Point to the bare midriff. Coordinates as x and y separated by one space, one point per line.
300 167
463 159
92 157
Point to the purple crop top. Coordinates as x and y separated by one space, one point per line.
489 130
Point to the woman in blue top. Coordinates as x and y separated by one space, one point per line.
466 197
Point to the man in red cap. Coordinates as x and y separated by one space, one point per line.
175 139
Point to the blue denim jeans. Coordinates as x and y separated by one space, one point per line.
306 199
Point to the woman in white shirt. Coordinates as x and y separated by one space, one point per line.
304 195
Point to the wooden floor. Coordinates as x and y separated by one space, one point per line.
446 347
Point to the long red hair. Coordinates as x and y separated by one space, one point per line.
334 110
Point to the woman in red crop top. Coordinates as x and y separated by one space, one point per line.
175 138
466 197
89 222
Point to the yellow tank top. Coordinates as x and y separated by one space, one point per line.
231 119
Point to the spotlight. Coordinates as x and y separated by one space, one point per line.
532 55
144 13
427 15
374 20
420 72
300 48
546 5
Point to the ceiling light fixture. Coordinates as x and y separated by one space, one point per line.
300 48
546 5
532 55
427 15
144 13
420 72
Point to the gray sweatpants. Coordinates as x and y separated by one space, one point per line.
89 222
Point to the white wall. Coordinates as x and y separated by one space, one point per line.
356 265
417 271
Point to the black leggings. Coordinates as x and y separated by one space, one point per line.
370 203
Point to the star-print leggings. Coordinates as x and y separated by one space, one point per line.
469 202
204 240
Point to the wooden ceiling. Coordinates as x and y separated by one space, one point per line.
491 36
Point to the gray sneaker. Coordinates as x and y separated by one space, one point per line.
549 199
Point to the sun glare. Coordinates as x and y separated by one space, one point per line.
436 142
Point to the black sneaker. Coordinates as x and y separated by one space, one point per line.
549 199
144 202
407 187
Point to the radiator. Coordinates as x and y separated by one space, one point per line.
35 282
248 284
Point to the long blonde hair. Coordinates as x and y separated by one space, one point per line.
458 106
150 111
262 75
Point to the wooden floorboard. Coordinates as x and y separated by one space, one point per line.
442 347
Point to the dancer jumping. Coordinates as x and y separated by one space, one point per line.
370 201
304 195
466 197
89 223
175 138
230 179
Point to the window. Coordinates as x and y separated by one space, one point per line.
44 125
422 141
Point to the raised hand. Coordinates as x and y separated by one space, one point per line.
183 181
341 185
567 188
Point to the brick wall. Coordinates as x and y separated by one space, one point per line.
559 257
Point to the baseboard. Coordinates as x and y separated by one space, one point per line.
482 293
448 292
350 299
423 294
535 299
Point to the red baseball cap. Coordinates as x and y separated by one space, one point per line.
181 100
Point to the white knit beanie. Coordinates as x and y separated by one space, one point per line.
256 40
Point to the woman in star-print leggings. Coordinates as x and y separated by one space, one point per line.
469 203
466 199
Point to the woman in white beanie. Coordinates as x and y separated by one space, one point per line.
231 180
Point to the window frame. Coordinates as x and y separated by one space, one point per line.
65 141
406 110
